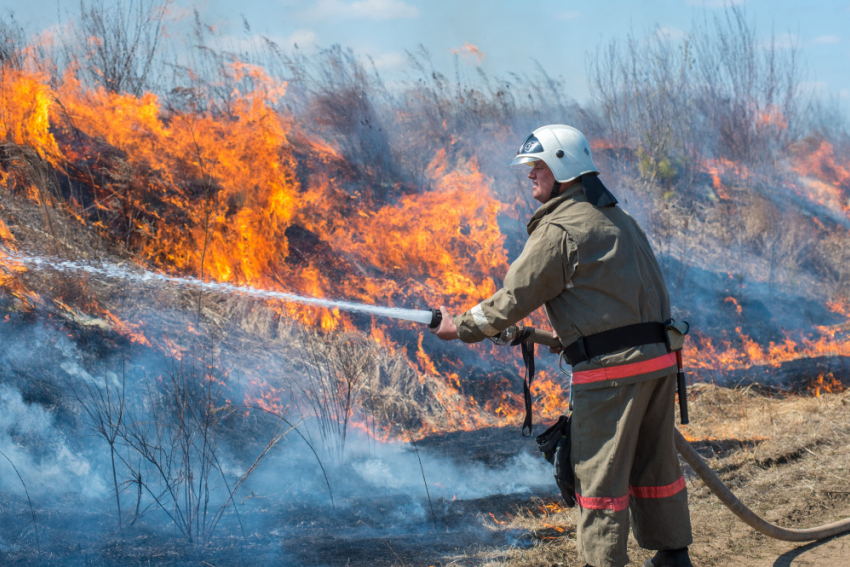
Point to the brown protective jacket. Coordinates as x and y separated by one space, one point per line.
594 270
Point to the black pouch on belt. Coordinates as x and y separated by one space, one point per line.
555 443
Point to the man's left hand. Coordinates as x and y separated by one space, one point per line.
556 350
447 329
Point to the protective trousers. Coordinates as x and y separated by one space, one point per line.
626 465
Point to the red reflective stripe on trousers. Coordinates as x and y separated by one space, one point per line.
621 503
603 503
625 370
658 491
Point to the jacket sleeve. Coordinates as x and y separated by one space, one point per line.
540 273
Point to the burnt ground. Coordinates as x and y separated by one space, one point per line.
368 532
493 446
791 375
785 456
389 530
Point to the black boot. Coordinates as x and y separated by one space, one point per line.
670 558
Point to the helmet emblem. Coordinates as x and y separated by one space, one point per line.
531 146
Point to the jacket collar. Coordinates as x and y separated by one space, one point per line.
572 194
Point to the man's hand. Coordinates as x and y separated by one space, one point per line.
556 350
447 330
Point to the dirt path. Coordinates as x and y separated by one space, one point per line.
834 552
749 548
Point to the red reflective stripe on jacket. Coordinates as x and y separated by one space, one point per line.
603 503
658 491
625 370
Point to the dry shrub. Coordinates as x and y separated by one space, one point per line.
716 94
168 445
346 374
12 44
335 370
116 45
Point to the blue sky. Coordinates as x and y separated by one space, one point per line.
559 34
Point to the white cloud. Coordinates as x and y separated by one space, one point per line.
714 3
827 39
564 16
301 38
390 61
363 10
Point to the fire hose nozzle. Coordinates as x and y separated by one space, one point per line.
436 319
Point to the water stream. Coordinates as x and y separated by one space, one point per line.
147 277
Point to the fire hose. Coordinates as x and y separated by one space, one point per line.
745 514
708 476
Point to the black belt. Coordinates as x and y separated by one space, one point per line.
614 340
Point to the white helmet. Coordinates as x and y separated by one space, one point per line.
564 149
567 153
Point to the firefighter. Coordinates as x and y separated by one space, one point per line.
590 264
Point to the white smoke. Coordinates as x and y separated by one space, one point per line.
41 452
395 468
382 470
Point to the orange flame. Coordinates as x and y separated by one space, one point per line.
24 114
734 302
827 178
469 52
826 383
212 190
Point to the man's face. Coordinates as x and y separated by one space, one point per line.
543 180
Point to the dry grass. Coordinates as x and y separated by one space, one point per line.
785 456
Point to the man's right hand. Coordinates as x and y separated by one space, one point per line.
447 329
